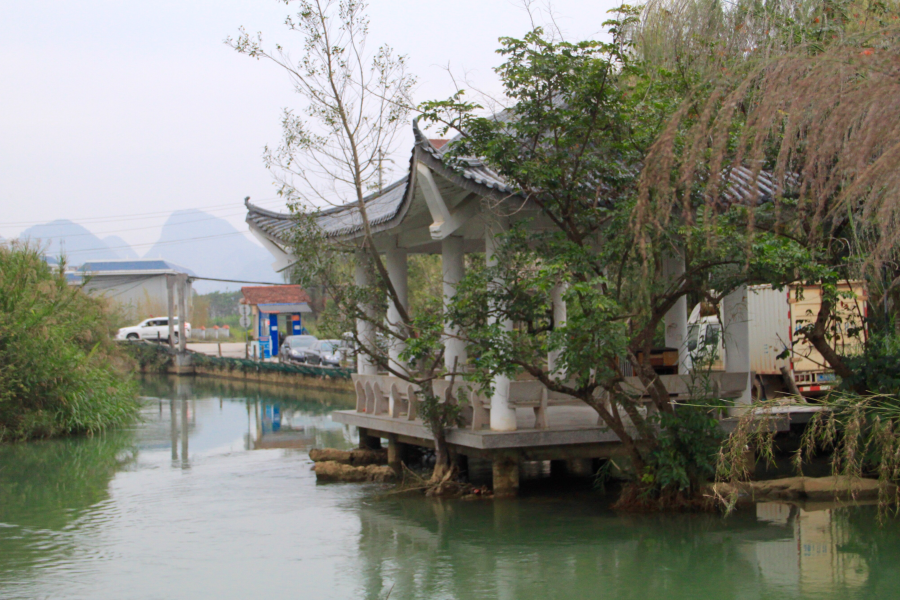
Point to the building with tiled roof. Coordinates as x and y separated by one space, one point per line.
276 311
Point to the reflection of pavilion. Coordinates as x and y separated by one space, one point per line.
284 426
536 549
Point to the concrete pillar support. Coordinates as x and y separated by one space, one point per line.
676 318
170 297
580 467
453 263
560 316
365 328
396 454
503 416
182 312
367 441
397 268
736 332
505 475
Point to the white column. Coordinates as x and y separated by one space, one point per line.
170 302
365 329
503 416
182 311
399 274
452 260
677 316
736 331
560 315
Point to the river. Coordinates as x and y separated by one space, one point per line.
212 496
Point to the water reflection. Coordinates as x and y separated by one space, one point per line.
274 417
214 485
559 548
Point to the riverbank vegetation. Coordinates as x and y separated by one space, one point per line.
60 371
702 148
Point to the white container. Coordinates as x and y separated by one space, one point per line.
770 328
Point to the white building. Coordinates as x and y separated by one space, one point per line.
137 286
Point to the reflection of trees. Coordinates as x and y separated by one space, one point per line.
45 486
312 401
553 548
535 549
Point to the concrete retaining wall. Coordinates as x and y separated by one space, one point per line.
284 378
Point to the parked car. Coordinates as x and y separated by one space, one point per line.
154 328
329 353
295 348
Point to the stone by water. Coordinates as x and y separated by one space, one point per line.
212 496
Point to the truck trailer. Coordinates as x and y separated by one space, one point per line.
775 318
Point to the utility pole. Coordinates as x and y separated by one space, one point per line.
380 171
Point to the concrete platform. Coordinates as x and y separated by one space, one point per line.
568 425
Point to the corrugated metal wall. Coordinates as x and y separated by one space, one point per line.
770 328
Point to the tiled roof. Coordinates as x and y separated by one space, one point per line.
384 206
274 294
381 207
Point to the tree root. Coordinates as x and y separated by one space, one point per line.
640 498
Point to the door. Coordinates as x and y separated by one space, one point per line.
273 333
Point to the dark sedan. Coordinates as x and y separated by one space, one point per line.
296 347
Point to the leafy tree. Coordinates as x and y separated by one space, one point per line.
355 104
583 118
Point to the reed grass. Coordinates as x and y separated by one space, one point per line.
60 372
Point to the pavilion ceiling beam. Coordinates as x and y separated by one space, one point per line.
445 221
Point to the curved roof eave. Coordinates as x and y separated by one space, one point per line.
341 224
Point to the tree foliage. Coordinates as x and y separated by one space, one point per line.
60 372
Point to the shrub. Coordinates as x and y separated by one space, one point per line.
60 372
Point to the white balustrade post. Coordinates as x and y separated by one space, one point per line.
676 319
365 328
397 268
503 416
736 329
453 266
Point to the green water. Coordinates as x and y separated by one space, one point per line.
212 497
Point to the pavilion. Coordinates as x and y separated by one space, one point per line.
437 209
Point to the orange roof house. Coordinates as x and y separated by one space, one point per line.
267 302
275 294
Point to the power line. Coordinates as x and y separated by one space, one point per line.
239 281
194 239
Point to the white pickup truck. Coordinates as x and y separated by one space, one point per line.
155 328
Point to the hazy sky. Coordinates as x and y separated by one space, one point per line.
114 113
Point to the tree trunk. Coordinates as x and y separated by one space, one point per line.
817 338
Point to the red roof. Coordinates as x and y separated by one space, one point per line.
274 294
438 144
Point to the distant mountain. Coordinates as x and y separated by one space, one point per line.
212 247
65 237
120 247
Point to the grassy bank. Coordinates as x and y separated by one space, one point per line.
60 372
